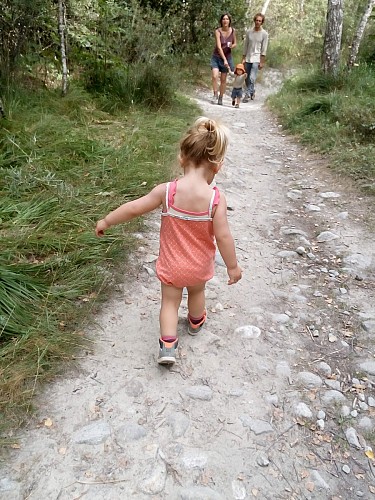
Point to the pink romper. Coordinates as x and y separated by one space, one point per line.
187 243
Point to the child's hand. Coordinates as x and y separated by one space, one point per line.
101 226
234 275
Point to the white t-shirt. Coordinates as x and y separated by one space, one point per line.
255 45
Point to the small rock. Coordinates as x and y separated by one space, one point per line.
320 424
352 438
326 236
302 410
263 461
346 469
248 332
321 415
329 194
324 368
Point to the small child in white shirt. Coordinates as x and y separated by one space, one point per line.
239 79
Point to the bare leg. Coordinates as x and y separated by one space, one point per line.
215 76
223 83
196 300
170 303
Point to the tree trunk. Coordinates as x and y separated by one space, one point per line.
359 33
62 31
265 6
332 38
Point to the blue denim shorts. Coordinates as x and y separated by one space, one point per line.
218 63
236 93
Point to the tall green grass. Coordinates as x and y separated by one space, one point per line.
334 116
64 163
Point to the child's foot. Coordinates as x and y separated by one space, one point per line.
233 102
252 96
195 326
167 351
246 98
237 106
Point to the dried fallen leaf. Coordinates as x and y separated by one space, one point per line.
48 422
369 454
310 486
15 446
254 492
62 451
304 474
371 488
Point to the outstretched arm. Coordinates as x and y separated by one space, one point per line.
132 209
225 242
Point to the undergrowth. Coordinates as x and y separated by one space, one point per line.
334 116
65 162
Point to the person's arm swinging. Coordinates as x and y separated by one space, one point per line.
132 209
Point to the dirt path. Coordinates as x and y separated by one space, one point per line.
275 400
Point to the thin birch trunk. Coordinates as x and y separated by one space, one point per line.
359 33
265 6
332 38
62 33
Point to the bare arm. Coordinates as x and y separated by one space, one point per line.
132 209
225 242
263 51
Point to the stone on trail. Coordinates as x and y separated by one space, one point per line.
179 424
201 392
154 479
352 438
369 326
329 194
194 459
309 379
94 433
368 367
238 489
333 396
255 425
325 236
248 332
312 208
302 410
131 431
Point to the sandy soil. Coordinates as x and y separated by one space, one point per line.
275 399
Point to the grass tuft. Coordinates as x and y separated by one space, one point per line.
335 116
66 163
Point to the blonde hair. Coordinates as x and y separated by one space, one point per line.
206 140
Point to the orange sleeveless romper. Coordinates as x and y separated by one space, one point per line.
187 243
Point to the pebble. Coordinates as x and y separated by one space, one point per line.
329 194
324 368
326 236
201 392
92 434
320 424
302 410
321 415
248 332
352 438
346 469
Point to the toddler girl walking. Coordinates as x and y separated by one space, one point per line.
193 216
